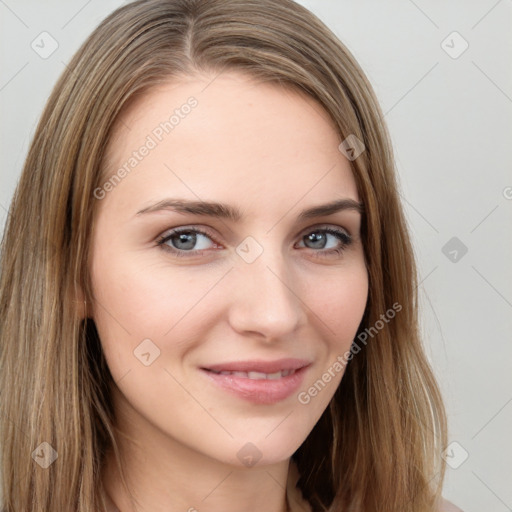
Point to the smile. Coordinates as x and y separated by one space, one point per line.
255 386
257 375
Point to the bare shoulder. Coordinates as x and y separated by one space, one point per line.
448 506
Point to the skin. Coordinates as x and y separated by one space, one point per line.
271 153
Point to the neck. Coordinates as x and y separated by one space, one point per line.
187 481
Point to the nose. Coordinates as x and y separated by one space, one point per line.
266 299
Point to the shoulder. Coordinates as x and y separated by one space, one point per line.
448 506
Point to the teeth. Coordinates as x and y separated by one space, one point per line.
258 375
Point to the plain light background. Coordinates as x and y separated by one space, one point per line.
448 109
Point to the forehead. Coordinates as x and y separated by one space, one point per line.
228 138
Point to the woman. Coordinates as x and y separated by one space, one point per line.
208 292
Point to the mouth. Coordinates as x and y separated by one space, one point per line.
259 382
260 366
256 375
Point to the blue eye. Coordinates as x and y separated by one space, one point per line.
182 242
320 237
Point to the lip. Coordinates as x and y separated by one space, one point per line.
259 365
259 391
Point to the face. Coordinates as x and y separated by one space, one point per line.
269 296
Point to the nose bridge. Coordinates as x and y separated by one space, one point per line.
265 300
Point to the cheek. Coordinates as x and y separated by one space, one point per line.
338 308
138 298
339 304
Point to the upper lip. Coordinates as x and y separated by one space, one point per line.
259 365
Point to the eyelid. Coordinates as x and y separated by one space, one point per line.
324 226
174 231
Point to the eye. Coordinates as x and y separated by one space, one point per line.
183 240
319 238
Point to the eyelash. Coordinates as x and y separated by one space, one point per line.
342 236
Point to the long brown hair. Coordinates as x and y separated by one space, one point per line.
378 446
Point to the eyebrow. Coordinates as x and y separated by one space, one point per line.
232 213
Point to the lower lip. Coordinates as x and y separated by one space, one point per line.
259 391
